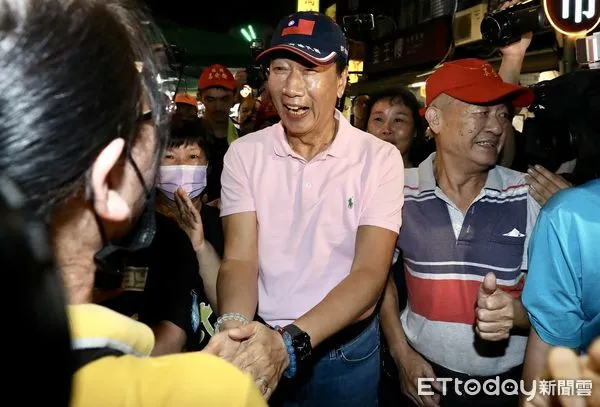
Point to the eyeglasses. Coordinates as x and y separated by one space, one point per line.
144 117
149 115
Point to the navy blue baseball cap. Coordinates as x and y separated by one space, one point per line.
313 36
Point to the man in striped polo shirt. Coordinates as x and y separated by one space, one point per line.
464 241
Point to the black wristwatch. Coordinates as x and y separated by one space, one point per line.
300 342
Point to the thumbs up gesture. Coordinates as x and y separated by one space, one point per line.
495 311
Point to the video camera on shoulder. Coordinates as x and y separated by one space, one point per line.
565 126
504 27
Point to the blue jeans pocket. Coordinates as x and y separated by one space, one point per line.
363 346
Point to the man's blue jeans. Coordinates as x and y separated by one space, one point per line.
347 375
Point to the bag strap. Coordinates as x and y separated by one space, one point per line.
84 356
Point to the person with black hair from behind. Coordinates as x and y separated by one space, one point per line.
83 143
37 313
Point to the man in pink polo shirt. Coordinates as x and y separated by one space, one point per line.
311 209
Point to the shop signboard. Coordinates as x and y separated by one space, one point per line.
417 46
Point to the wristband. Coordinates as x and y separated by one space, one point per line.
230 316
287 339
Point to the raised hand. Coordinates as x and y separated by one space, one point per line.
495 311
564 364
543 183
188 218
519 48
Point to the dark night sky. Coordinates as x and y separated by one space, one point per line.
220 15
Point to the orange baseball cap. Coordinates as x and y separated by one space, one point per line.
217 76
187 99
266 111
474 81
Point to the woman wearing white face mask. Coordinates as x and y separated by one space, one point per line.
182 181
182 263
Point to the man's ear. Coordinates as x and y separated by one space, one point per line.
108 203
342 81
434 118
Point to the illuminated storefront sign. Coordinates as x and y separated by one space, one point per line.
573 17
308 5
355 68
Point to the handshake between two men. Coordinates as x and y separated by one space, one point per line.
255 348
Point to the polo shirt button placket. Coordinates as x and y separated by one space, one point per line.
309 190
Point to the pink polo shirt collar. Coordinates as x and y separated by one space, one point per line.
338 148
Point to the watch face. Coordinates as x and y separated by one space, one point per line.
302 346
300 341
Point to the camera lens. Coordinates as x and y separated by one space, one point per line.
507 26
491 30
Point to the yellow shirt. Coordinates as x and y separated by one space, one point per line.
232 133
186 379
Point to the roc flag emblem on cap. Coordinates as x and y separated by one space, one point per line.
299 27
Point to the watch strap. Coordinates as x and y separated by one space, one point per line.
293 330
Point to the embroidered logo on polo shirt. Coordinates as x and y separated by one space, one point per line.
514 233
350 203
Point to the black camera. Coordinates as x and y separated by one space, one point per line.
505 27
256 73
178 58
359 27
565 126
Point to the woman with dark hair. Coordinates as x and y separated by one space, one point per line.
189 146
82 126
171 286
393 116
184 259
